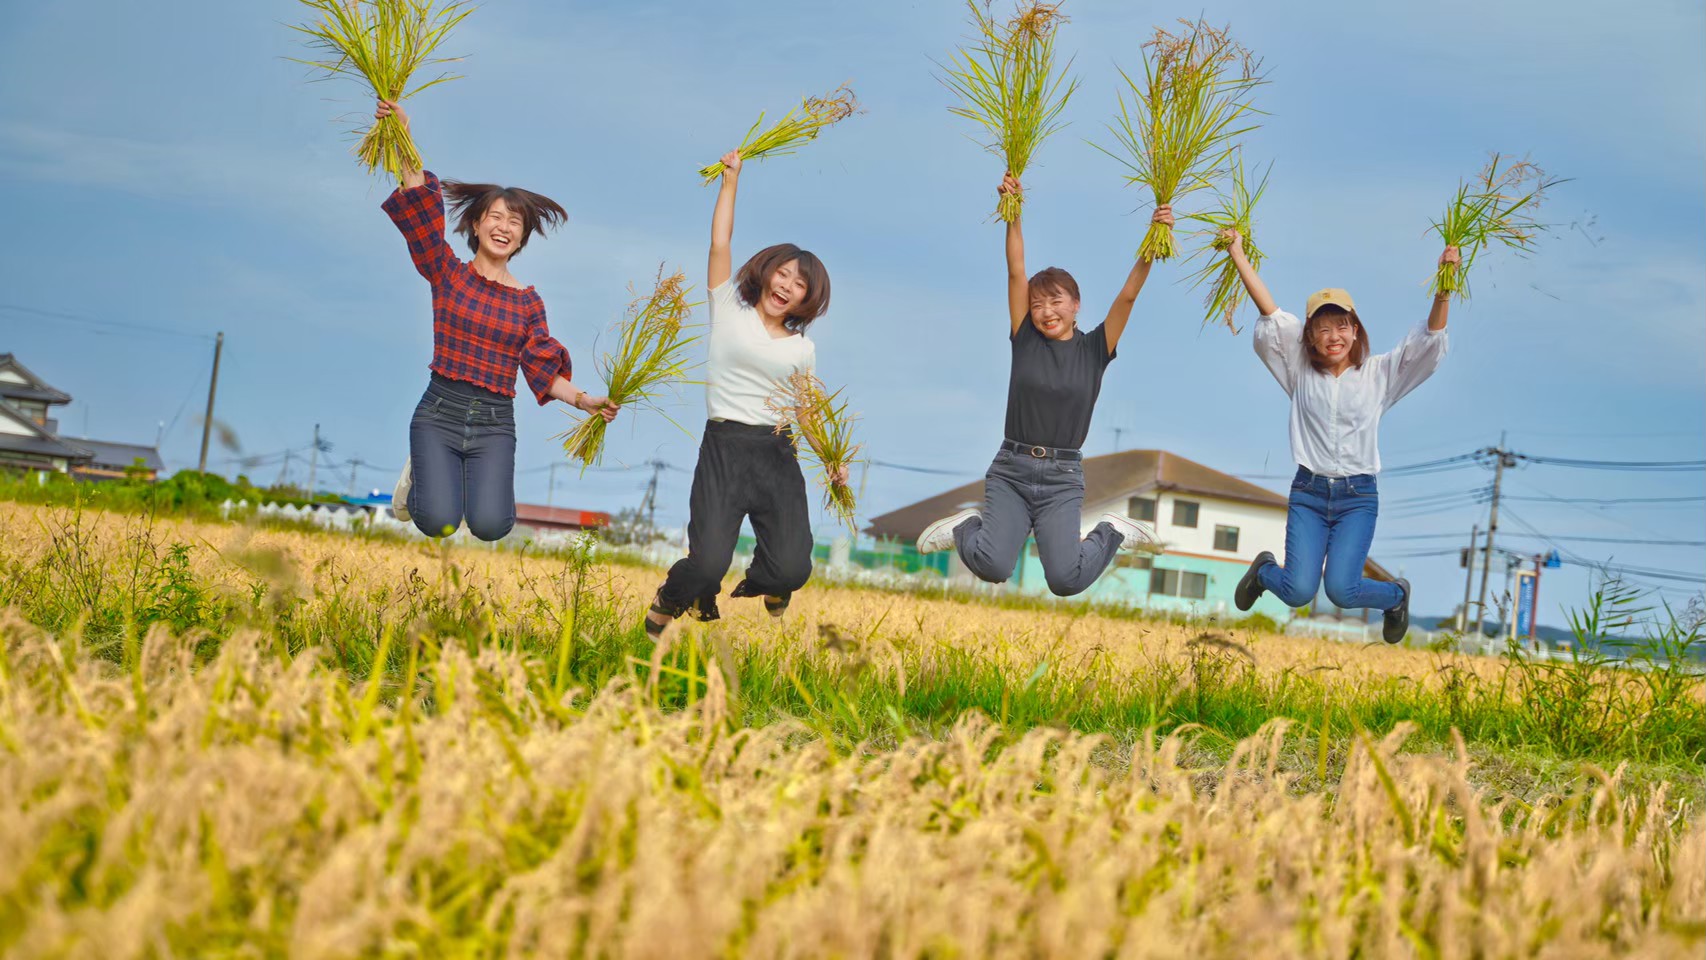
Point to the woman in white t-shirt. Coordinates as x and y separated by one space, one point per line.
747 470
1338 394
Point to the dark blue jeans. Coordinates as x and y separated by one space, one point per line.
1331 520
462 452
1022 494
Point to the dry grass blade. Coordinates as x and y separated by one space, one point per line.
1237 211
382 44
650 355
821 418
1181 123
1499 205
1006 83
797 127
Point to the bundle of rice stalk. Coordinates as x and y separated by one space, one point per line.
650 354
1498 205
381 44
797 127
1006 82
1237 211
802 404
1182 122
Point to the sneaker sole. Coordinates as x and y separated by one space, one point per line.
933 529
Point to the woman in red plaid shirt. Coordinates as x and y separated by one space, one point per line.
485 325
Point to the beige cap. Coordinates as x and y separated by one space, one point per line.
1332 295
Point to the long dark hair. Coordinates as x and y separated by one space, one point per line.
469 202
755 273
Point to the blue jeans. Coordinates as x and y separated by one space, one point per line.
1330 519
1022 494
462 452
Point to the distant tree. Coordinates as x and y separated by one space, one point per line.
628 528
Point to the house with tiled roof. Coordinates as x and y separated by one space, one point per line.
30 437
1210 524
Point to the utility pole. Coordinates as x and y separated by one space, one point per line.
283 470
1117 432
649 502
1502 460
352 465
212 387
313 461
1468 578
551 485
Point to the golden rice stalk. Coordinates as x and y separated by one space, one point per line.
802 404
1182 122
1007 84
797 127
650 354
1498 205
1237 211
382 44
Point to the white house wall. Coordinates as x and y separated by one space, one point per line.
11 376
1259 527
14 428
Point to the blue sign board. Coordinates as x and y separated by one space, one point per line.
1525 584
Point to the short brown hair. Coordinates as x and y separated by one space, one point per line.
1359 350
469 202
1054 280
756 272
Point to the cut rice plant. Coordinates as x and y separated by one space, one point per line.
803 406
382 44
796 128
1007 84
650 355
1237 211
1498 205
1181 123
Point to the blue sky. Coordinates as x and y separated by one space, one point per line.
164 165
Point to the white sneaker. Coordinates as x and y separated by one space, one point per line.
940 535
400 495
1133 535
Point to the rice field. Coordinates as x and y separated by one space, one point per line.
229 739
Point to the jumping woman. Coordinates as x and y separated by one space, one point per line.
485 324
1037 480
746 469
1338 395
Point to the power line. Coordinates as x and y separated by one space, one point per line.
110 324
1644 466
1556 536
1608 501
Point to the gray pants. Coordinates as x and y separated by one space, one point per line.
1022 493
462 454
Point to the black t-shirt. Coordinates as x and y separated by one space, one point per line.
1052 388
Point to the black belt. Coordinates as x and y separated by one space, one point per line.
1041 452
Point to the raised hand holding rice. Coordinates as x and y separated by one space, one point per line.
1498 205
797 127
1233 219
1183 121
1006 83
382 44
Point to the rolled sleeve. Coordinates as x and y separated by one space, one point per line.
418 213
543 359
1278 340
1413 361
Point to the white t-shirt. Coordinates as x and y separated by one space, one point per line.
1335 421
746 362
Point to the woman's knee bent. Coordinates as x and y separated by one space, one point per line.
489 529
435 524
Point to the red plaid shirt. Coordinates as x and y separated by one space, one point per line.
481 330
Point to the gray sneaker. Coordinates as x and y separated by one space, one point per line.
400 495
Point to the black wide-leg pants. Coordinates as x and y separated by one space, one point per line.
745 471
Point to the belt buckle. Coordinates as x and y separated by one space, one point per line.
1039 452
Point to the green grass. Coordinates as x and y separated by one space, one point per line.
873 684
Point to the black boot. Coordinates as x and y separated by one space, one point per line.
1250 588
1398 618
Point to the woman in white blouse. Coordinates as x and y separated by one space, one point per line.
1338 394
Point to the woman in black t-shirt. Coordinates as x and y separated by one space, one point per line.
1037 480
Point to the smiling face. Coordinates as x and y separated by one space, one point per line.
784 290
500 230
1054 303
1333 336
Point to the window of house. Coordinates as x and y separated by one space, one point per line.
1135 561
1141 508
1184 513
1225 538
1178 583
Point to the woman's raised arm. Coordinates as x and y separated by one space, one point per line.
412 176
723 223
1018 282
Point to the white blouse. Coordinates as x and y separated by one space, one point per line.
745 363
1335 421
